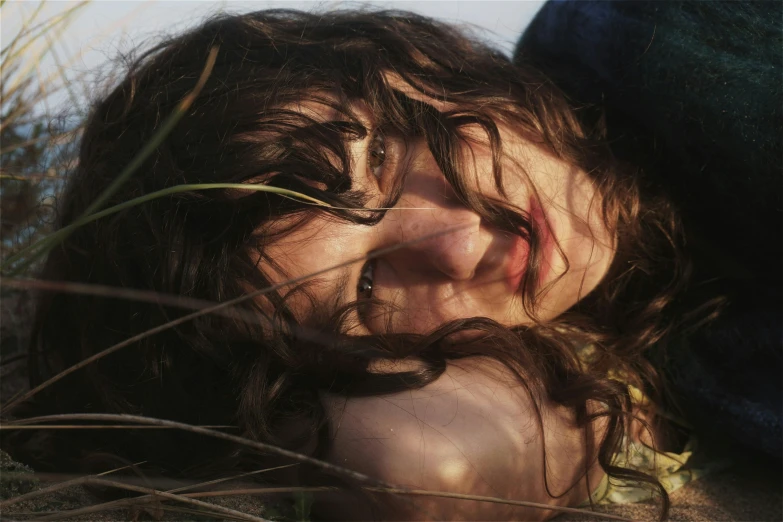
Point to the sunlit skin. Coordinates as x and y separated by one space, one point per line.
474 430
464 267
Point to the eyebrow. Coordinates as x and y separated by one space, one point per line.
337 296
341 289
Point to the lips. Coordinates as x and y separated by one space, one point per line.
517 262
520 249
543 228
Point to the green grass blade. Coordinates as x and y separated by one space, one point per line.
44 245
158 137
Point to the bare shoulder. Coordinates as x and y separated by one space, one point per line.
474 430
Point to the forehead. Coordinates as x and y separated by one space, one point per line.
320 106
397 83
315 263
326 106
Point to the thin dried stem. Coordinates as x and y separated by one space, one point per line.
51 24
33 141
130 294
106 427
41 492
364 480
259 446
129 502
95 481
115 470
409 492
212 309
10 360
42 515
22 32
43 246
164 130
176 509
495 500
43 27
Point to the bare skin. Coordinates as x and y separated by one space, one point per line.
464 267
474 430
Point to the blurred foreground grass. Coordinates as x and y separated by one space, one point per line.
38 143
38 150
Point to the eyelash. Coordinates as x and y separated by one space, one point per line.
364 286
376 152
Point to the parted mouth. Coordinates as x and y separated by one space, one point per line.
519 251
547 242
516 263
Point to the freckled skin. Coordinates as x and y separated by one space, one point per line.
460 269
473 430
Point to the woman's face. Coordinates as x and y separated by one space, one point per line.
436 260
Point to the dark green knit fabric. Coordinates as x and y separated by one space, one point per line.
692 92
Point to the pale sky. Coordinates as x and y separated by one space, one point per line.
103 28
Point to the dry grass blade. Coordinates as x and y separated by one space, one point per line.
495 500
34 34
95 481
259 446
41 248
130 294
364 480
9 54
21 34
159 136
60 67
93 43
129 502
411 492
201 513
212 309
109 427
321 489
33 141
261 491
44 515
56 487
32 177
10 360
115 470
41 492
44 245
233 477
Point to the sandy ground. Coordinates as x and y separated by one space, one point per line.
745 493
742 493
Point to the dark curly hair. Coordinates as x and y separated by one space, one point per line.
207 244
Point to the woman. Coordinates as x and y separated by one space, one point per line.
495 275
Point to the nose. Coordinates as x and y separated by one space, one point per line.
436 234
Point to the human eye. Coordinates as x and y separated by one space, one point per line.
364 286
376 154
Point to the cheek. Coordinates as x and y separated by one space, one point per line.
304 252
476 159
